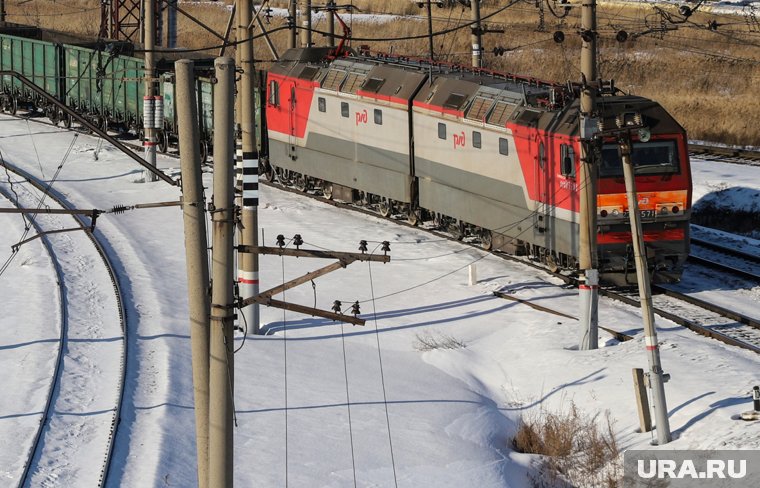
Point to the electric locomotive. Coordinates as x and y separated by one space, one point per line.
479 153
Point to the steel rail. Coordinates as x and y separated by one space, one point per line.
755 258
59 353
724 267
59 199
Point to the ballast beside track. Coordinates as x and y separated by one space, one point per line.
725 154
58 388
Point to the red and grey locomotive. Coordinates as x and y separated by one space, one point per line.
479 153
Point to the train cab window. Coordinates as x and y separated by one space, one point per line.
378 116
476 141
344 109
274 93
648 158
441 131
503 146
567 162
322 103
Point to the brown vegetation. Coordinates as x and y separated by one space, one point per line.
705 78
578 451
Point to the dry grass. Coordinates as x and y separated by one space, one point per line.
428 342
713 95
577 450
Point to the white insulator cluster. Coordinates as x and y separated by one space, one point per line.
158 119
148 113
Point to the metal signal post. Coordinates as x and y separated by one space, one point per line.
149 99
589 288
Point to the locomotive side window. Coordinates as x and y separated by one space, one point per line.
476 141
541 155
322 104
274 93
648 158
441 131
503 146
567 163
344 109
378 116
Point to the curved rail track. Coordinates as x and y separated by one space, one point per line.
59 386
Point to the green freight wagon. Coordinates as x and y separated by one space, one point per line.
35 59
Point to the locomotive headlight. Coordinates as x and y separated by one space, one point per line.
603 213
644 134
676 209
615 212
663 210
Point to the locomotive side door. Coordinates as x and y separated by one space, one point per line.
541 182
290 90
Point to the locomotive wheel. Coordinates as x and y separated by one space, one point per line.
284 176
301 182
486 239
327 190
66 119
163 141
13 106
268 173
385 207
413 215
456 229
54 115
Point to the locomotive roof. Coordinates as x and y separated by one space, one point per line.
464 92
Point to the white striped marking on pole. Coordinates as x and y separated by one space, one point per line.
248 277
238 166
250 180
650 342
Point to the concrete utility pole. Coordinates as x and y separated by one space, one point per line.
589 288
331 23
306 23
169 24
656 377
477 35
430 30
196 251
248 263
292 13
2 10
221 380
149 101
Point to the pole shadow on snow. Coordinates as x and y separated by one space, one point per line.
720 404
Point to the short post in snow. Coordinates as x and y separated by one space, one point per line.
753 414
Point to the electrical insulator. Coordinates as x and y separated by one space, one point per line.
559 37
621 36
297 241
355 308
587 35
363 246
281 240
499 51
336 306
386 247
158 120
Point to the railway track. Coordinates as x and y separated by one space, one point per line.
719 320
83 407
725 259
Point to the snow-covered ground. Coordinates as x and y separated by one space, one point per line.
441 418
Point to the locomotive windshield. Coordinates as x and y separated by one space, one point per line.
649 158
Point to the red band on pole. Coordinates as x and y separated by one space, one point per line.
248 282
588 287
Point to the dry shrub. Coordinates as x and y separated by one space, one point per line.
577 450
428 342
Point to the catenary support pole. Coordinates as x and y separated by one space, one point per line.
248 263
293 15
196 252
656 376
149 123
430 30
477 35
331 23
589 287
221 380
306 23
2 10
